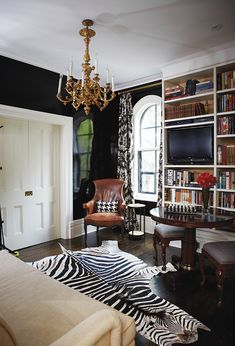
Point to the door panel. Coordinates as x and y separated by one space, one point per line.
29 182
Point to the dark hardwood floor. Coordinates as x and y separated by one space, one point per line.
181 288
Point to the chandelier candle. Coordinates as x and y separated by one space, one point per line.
87 90
60 83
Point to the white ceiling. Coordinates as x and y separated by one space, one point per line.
134 38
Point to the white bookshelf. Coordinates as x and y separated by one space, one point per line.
217 105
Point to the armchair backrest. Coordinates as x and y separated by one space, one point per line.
109 190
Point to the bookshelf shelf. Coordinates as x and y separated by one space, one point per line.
191 118
198 99
232 135
225 113
225 91
225 190
190 125
225 166
190 166
183 187
188 98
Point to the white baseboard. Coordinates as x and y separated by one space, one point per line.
77 228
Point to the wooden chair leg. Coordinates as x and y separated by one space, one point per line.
164 246
202 269
97 235
220 275
85 229
155 244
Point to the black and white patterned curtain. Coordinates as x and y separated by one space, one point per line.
125 146
160 169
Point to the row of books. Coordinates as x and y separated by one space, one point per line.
185 110
226 80
175 177
226 154
226 200
225 102
226 125
204 87
226 180
193 197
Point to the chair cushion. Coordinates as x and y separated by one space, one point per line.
104 219
107 207
171 232
222 251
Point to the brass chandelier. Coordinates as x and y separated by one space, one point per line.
87 90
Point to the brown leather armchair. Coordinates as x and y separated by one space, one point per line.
107 207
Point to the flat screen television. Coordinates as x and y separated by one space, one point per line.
190 145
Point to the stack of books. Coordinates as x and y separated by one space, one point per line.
226 180
226 80
204 87
174 92
226 200
226 102
226 154
190 88
185 110
192 197
226 125
179 178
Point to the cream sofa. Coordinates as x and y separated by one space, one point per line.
36 310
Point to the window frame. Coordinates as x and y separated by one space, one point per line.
138 110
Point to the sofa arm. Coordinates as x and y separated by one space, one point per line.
7 337
92 329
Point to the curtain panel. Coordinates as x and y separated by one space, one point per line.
125 147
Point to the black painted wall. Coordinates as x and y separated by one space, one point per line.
31 87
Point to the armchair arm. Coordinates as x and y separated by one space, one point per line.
122 208
89 206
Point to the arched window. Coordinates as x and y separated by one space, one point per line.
147 138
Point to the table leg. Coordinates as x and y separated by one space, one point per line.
189 246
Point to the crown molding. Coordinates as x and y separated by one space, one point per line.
214 56
26 61
140 81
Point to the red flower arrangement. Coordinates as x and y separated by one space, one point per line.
206 180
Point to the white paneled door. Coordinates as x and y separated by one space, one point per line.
29 182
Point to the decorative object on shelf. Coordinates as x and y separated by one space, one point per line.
181 208
87 90
206 180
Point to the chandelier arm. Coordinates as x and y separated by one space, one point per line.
65 100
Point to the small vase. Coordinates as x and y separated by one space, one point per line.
205 200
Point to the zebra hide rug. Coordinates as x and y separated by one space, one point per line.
122 281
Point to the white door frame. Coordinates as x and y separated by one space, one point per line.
65 157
